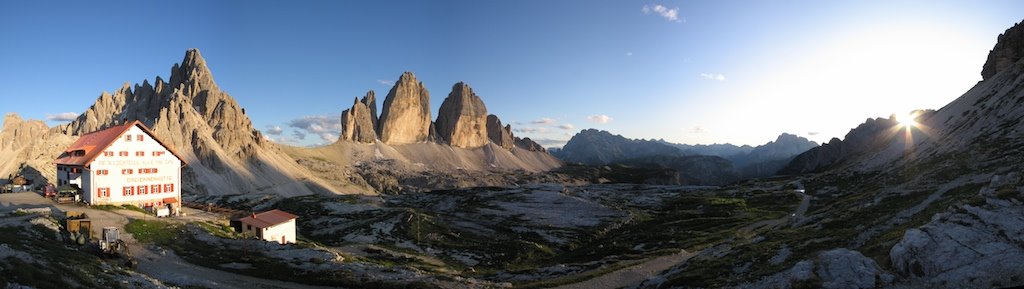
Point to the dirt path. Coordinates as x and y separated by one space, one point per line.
632 275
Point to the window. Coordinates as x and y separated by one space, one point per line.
103 192
123 154
143 190
158 154
76 170
128 191
169 188
152 171
155 189
140 153
102 172
138 138
108 153
126 171
128 137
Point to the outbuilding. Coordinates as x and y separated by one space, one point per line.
124 164
274 226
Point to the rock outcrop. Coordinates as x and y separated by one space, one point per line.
499 135
873 135
406 113
357 122
17 133
206 126
1008 50
27 148
591 146
528 144
462 118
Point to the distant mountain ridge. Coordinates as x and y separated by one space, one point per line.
593 146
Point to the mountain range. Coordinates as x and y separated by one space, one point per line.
720 164
228 156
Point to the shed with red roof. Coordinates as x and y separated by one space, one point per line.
274 226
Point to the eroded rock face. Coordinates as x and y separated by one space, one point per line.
205 125
406 114
1008 50
968 246
529 144
17 133
844 268
462 118
871 135
357 122
499 135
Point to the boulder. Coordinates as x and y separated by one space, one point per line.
844 268
462 118
406 113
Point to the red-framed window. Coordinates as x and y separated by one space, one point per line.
128 191
103 192
127 137
122 153
143 190
102 172
155 189
140 153
169 188
138 137
158 154
108 153
126 171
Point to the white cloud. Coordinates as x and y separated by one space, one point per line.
629 53
64 116
713 76
697 129
672 14
386 82
599 118
273 130
813 133
544 120
567 126
327 127
530 130
549 142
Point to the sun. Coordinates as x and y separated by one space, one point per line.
907 120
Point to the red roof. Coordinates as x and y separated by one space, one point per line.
94 143
268 219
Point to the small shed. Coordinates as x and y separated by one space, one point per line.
274 226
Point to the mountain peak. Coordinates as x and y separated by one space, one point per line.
193 72
1008 50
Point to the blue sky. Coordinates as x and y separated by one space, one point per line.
686 71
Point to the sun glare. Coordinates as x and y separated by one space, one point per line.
906 120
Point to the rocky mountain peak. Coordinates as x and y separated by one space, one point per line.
501 136
462 118
1008 50
358 122
406 112
193 72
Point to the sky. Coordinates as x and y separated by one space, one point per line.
694 72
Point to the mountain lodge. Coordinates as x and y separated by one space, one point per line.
124 164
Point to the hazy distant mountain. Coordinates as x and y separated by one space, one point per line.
600 147
591 146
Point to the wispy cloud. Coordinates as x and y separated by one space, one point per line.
386 82
629 53
327 127
697 129
64 116
713 76
813 133
530 130
550 142
544 120
671 14
567 126
600 118
273 130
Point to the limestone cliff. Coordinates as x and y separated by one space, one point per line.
406 114
462 118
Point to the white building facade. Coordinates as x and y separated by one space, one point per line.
124 164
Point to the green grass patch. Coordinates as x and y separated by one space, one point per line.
153 231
